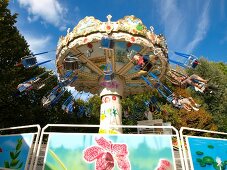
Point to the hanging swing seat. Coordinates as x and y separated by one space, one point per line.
161 88
31 61
148 65
202 87
69 108
72 62
67 102
24 86
53 97
177 73
67 81
154 103
172 74
37 85
108 76
108 73
56 93
107 43
190 61
172 80
29 84
28 61
81 111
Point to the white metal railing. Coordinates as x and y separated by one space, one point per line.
45 131
186 149
35 135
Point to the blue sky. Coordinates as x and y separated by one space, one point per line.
190 26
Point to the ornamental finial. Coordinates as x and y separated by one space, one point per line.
152 29
109 18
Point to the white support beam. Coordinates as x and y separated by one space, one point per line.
88 75
110 56
125 68
89 63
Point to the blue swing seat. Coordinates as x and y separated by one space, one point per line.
191 61
107 43
69 108
81 111
28 61
53 97
71 64
109 76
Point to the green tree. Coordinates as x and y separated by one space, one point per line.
12 45
15 108
216 102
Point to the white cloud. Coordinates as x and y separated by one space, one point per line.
62 28
171 18
202 28
38 44
50 11
32 18
184 25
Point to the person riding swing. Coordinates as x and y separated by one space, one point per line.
144 63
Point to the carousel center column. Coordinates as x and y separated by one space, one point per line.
111 109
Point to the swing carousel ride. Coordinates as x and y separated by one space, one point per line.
113 60
102 55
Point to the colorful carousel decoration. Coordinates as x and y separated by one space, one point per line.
109 59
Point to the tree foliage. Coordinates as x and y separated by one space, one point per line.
12 44
15 108
22 109
216 102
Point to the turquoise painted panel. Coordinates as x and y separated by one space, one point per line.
208 153
110 152
14 150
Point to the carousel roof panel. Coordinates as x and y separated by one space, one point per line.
130 36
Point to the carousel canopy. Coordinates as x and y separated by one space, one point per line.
93 45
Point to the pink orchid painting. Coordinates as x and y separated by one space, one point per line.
164 165
106 153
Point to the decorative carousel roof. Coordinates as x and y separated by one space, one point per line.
130 36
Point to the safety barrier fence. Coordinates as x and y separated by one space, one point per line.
203 149
18 146
68 146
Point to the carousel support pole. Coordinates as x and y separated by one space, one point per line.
111 110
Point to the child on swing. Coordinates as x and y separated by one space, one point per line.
144 62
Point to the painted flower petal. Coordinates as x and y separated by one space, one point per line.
92 153
162 167
164 164
105 162
123 163
105 144
119 149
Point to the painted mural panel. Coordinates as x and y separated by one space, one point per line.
109 152
14 150
207 153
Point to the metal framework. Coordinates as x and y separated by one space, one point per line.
36 134
45 131
186 149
